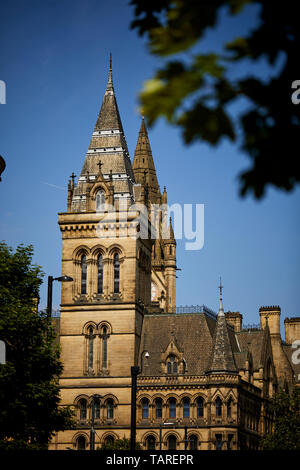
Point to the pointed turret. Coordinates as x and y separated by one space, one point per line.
108 143
170 268
222 359
143 165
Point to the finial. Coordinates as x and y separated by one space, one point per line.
221 310
73 176
110 81
221 288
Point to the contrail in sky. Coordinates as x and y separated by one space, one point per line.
54 186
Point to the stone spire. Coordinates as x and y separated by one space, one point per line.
108 143
222 359
143 165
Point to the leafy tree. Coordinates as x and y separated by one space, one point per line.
286 431
194 90
29 393
120 444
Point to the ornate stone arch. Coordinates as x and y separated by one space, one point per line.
77 436
77 402
109 404
108 434
171 432
98 186
147 435
106 324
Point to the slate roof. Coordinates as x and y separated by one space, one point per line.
192 333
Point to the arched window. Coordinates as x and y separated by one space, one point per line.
116 274
172 365
104 347
100 275
82 409
172 408
145 408
81 443
90 348
110 409
199 405
219 442
186 408
172 441
218 404
158 408
193 442
83 274
109 442
150 443
100 200
96 407
229 408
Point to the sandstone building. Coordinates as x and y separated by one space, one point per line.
205 381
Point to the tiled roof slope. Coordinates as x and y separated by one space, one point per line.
192 334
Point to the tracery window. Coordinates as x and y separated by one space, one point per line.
100 200
172 366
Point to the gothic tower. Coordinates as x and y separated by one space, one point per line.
163 285
102 309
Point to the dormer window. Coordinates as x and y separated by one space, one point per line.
172 365
100 200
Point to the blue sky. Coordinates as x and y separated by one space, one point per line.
54 61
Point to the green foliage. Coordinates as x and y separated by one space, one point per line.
120 444
286 432
194 91
29 393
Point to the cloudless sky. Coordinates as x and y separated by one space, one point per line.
54 58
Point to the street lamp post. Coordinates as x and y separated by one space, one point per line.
135 370
92 431
49 297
